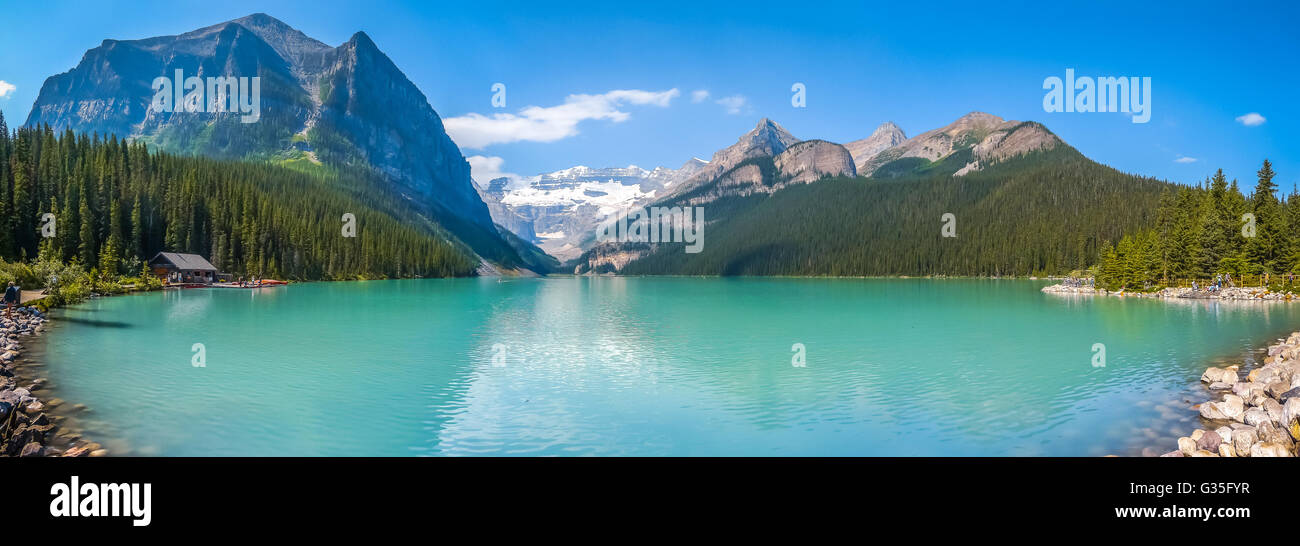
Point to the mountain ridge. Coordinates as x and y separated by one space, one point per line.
347 106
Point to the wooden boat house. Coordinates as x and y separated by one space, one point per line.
178 268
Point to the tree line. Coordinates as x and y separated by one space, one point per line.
1207 230
109 204
1044 213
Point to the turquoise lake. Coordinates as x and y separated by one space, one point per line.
644 366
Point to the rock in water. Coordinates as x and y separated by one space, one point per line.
1233 407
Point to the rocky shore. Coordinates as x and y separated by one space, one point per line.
29 426
1257 416
1253 294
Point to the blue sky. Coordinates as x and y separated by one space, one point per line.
861 63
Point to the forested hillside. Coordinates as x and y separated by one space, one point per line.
1047 212
117 203
1204 231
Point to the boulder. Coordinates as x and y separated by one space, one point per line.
1243 437
1272 433
1225 433
1291 410
1226 450
5 408
1247 390
32 449
79 451
1220 386
1209 441
1266 375
1203 453
1187 446
1174 454
1210 410
1289 395
1214 374
1232 406
40 419
1268 449
1255 416
99 453
1273 409
1277 387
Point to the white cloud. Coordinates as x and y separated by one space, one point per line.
550 123
6 89
734 104
699 95
485 169
1252 119
1185 159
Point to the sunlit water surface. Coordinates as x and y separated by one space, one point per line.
644 366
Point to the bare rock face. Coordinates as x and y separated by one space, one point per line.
810 160
883 138
501 214
607 258
988 137
767 139
1008 142
936 144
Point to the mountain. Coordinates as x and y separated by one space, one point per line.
341 108
560 210
810 160
767 139
1024 203
963 146
884 137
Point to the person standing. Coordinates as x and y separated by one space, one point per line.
13 295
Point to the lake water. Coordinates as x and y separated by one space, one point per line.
644 366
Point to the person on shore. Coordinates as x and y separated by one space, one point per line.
13 295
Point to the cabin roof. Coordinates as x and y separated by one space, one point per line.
184 261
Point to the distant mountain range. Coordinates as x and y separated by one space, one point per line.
349 111
560 210
338 108
777 205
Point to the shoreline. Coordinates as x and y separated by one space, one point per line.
1255 293
1257 415
30 424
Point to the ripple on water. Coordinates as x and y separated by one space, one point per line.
645 367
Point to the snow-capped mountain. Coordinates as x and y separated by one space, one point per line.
560 210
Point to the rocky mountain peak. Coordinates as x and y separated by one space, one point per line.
886 136
348 105
768 137
985 136
810 160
